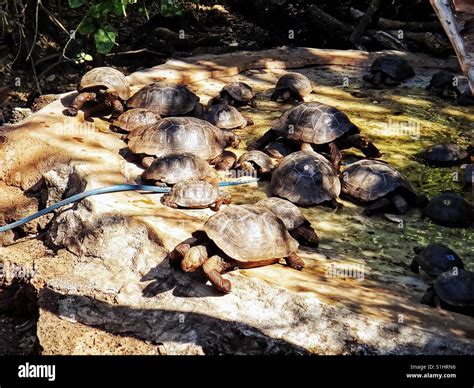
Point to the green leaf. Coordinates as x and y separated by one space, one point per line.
105 39
87 27
76 3
88 57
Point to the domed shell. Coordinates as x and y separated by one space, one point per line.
240 91
193 194
107 77
177 168
395 67
225 117
171 100
175 135
456 289
450 209
444 153
312 122
441 78
134 118
259 158
437 258
368 180
286 211
250 233
296 82
305 178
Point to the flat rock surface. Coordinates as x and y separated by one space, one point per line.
102 276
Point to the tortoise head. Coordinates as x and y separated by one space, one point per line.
231 139
359 141
194 258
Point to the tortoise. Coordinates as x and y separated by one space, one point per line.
167 100
295 222
227 117
105 85
444 84
324 127
435 259
134 118
445 155
306 178
174 135
239 236
195 195
380 186
175 168
449 209
255 161
388 70
279 148
452 290
292 86
237 94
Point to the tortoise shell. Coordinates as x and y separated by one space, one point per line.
444 153
249 233
171 100
456 289
108 78
305 178
256 157
134 118
368 180
175 168
441 79
450 209
225 117
296 82
435 259
312 122
175 135
193 194
286 211
395 67
280 148
240 91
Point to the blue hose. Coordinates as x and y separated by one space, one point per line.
103 190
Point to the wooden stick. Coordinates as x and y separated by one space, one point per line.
448 21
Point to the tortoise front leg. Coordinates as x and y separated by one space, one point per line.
176 256
294 261
378 206
400 203
275 95
391 82
248 121
117 107
414 266
79 102
253 103
336 156
213 268
264 140
430 298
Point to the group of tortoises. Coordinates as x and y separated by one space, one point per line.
183 144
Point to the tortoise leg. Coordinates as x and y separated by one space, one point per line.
79 102
457 91
275 95
165 200
194 258
213 269
305 235
217 205
225 161
378 206
299 97
334 204
336 156
368 77
295 262
117 107
248 120
400 203
371 151
391 82
429 298
445 92
414 266
177 255
147 161
266 138
253 103
306 147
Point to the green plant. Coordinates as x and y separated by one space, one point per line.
97 22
